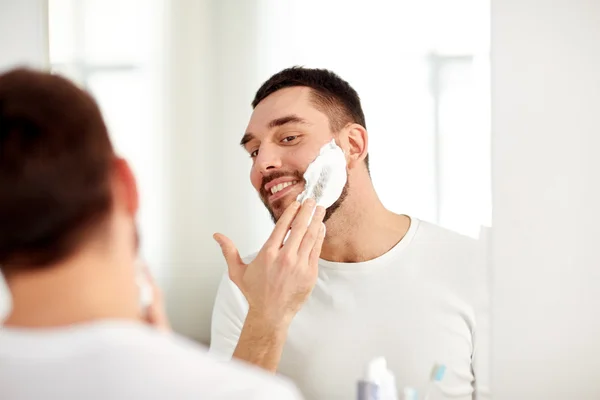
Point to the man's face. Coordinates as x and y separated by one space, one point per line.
284 136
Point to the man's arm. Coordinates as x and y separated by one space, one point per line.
261 341
277 282
245 335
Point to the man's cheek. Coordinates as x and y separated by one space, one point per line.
256 180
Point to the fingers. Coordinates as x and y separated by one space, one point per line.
232 256
155 313
148 291
283 226
147 275
300 225
308 242
315 253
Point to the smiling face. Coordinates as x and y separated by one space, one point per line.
284 135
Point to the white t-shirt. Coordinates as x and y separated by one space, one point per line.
117 360
423 302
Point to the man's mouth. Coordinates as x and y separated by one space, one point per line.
278 188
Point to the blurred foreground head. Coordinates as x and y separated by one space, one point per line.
64 194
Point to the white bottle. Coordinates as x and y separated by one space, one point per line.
380 381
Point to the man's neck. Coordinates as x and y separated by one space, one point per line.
362 229
78 291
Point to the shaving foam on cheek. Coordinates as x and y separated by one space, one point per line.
326 176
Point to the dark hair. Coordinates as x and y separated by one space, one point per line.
331 94
55 165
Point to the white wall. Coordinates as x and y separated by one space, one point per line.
23 33
23 41
546 199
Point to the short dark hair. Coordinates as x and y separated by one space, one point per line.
331 94
56 160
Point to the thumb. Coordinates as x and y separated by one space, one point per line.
232 256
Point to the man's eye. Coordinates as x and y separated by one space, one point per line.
254 153
289 138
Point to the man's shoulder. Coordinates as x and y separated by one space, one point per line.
198 373
431 236
457 260
433 231
232 379
135 361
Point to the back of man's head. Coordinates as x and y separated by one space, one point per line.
55 168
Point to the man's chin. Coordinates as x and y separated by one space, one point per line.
278 208
276 212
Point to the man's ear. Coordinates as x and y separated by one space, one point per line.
125 187
356 144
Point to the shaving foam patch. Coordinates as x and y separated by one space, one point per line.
326 176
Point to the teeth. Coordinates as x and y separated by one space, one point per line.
282 186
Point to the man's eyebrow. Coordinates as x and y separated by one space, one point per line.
246 138
288 119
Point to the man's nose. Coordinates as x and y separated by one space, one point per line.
267 160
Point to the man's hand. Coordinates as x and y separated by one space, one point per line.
277 282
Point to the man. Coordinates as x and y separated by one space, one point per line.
388 285
68 250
